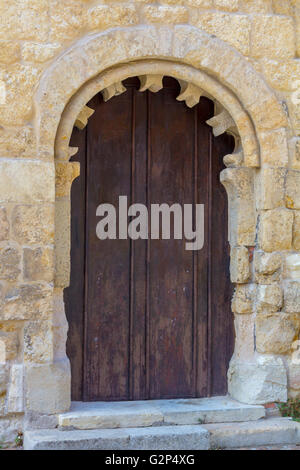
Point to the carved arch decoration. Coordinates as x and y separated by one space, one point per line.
204 66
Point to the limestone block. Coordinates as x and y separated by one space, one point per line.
15 395
272 36
276 230
151 82
4 224
239 185
24 19
198 3
256 6
227 5
28 301
269 298
33 224
19 81
9 263
239 265
234 29
60 325
48 387
109 16
115 89
39 53
165 14
244 337
26 182
9 343
293 189
9 429
275 333
65 173
296 230
261 380
9 52
38 341
221 123
292 266
272 188
294 377
189 93
18 142
3 378
67 18
283 8
274 149
281 74
243 299
62 242
38 264
267 267
83 117
277 118
292 297
297 20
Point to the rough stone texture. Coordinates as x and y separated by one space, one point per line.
273 36
234 29
239 265
165 14
276 227
4 224
18 107
38 264
263 432
98 415
15 396
275 333
155 438
9 343
296 231
272 184
9 263
9 52
39 53
26 182
293 189
32 301
261 380
33 224
267 267
292 266
10 426
292 297
243 299
48 51
269 298
48 387
65 173
38 341
275 149
104 16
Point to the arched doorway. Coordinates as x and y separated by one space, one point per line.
147 318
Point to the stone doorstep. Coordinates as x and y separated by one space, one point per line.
270 431
133 414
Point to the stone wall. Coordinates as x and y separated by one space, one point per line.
48 50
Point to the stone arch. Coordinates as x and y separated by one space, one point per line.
192 56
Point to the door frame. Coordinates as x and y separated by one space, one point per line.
58 103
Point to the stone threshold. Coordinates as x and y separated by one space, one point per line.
263 432
134 414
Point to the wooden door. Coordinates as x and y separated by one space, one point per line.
147 318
